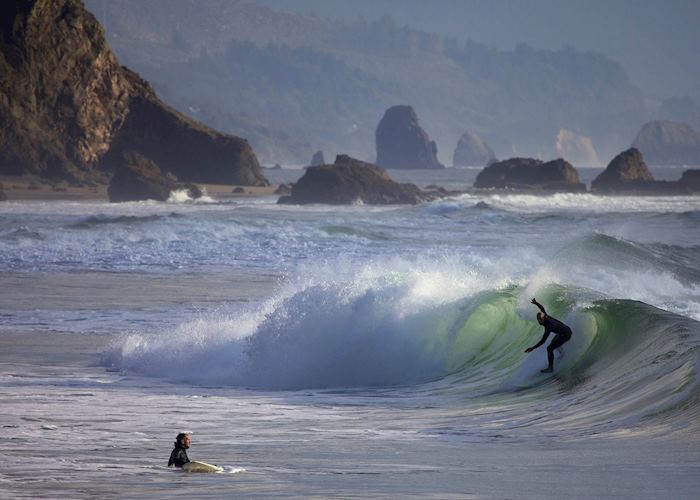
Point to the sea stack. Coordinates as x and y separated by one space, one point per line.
471 151
402 143
530 173
317 159
350 181
626 171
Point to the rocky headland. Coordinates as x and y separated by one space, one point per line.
69 111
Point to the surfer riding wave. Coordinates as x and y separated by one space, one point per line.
562 334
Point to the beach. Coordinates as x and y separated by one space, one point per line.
32 188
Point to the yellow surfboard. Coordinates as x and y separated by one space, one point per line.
201 467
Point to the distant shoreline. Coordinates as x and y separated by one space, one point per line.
27 188
24 188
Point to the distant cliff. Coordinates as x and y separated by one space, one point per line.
668 143
68 110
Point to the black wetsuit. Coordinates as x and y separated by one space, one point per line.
178 457
562 335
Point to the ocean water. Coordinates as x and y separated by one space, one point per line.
351 351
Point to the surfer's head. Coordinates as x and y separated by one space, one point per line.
540 318
183 440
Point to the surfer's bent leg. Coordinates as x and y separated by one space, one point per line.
557 341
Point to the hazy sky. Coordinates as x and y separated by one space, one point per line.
656 41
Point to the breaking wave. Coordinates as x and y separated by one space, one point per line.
438 328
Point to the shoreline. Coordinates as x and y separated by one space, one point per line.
31 188
24 188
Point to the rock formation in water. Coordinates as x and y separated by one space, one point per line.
472 151
576 149
68 111
668 143
284 189
402 143
691 180
626 171
138 178
350 181
530 173
317 159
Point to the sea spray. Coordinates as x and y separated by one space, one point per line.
386 323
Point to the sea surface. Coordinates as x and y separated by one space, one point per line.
354 352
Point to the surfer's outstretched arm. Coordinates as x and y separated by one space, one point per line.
534 301
542 341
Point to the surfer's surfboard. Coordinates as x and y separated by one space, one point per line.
201 467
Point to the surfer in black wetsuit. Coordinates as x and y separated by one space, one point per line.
562 334
178 457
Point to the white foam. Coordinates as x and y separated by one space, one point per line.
183 196
336 325
585 203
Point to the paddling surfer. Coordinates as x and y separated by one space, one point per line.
178 457
562 334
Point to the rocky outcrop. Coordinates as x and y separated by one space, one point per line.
472 151
138 178
317 159
3 196
691 180
68 111
284 189
402 143
179 145
63 95
529 173
575 148
626 171
668 143
349 181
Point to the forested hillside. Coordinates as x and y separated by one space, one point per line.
293 84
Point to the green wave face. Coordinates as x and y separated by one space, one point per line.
627 361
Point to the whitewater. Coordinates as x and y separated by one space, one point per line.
357 351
